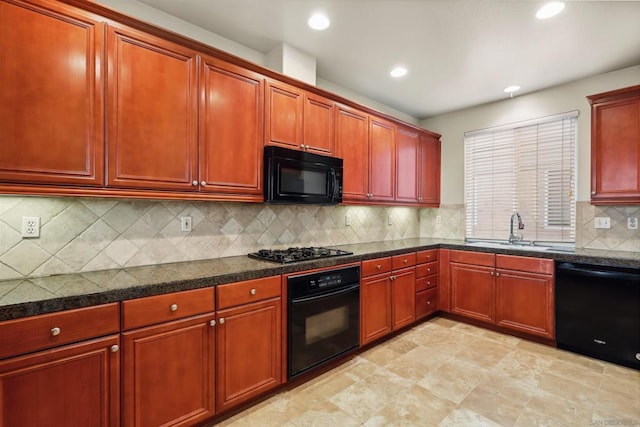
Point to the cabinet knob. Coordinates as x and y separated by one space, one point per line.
428 302
306 146
428 269
221 320
593 193
203 183
419 199
174 307
115 348
212 323
194 183
253 291
55 331
379 267
405 261
428 282
492 273
497 274
638 356
302 146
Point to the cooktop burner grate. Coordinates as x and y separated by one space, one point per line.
284 256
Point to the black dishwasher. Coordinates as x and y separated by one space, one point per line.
598 312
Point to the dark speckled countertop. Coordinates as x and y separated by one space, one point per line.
26 297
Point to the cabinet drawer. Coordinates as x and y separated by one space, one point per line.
426 282
521 263
427 269
402 261
376 266
476 258
163 308
50 330
238 293
426 256
426 302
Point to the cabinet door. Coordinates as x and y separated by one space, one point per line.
231 130
51 101
319 124
426 302
249 352
75 385
375 308
352 145
168 373
382 154
429 172
151 112
407 165
284 115
472 290
403 291
524 302
615 147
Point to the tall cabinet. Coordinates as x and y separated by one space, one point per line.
615 146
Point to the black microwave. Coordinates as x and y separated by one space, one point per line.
292 176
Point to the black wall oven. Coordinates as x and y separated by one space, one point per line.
292 176
323 317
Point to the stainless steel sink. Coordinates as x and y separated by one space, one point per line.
499 245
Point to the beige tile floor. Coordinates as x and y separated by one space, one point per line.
445 373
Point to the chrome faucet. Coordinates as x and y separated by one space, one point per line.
513 237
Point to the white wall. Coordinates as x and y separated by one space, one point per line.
568 97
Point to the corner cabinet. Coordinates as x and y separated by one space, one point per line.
51 101
417 168
615 146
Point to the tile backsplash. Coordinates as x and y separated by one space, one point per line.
87 234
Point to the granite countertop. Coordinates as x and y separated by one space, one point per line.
31 296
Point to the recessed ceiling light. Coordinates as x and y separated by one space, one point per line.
511 89
550 9
319 21
398 72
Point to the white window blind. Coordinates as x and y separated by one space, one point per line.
527 167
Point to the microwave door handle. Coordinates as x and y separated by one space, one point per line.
334 183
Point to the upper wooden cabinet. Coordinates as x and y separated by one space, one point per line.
407 165
429 171
151 112
231 129
615 146
382 155
298 119
352 145
51 101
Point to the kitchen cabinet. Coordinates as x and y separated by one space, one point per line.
426 283
387 296
284 112
352 145
61 369
382 155
429 171
51 102
511 292
318 124
152 139
472 284
249 341
231 131
615 146
525 295
168 360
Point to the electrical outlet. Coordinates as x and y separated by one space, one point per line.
438 220
632 223
390 220
602 222
347 220
30 226
185 223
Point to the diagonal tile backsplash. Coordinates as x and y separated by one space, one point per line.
86 234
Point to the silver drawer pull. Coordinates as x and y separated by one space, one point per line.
55 331
174 307
221 320
115 348
194 183
212 323
203 183
253 291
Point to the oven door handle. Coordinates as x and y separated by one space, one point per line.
330 294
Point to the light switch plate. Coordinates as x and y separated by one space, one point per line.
602 222
347 220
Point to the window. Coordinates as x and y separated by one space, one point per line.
526 167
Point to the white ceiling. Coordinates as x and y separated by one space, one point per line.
459 53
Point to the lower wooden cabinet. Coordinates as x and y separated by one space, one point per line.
73 385
426 302
375 308
513 292
403 297
168 373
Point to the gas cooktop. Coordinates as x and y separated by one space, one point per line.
296 254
